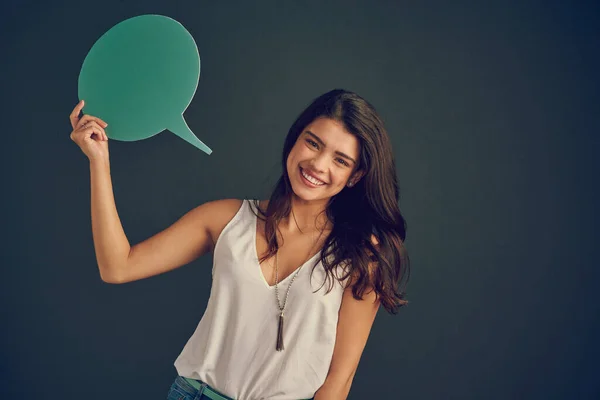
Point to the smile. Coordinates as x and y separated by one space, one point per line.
310 179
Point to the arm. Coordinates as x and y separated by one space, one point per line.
110 242
179 244
355 320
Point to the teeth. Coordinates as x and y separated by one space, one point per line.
311 179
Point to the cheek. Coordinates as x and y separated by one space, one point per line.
341 176
291 162
297 155
292 159
299 151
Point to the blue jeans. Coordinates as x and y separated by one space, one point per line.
182 390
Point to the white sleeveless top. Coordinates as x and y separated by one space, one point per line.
233 347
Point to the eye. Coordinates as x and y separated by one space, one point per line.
312 143
342 161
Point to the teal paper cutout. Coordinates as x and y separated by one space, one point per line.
140 77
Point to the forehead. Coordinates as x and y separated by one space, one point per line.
334 135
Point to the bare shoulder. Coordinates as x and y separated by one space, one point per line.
218 213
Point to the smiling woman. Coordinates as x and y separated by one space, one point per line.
313 152
338 161
273 329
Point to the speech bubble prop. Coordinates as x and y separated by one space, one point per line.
140 77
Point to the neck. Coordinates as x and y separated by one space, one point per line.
310 216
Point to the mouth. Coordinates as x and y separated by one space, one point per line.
309 180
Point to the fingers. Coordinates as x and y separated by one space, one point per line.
76 121
74 117
91 127
87 118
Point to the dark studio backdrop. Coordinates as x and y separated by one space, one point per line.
492 108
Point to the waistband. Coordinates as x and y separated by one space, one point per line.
206 390
210 392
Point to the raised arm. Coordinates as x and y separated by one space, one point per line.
182 242
186 239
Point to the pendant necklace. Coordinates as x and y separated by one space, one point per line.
279 346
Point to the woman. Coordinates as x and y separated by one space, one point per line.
297 279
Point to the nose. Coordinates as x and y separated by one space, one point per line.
318 163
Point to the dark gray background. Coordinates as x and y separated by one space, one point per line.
492 108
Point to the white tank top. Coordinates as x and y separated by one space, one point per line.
233 346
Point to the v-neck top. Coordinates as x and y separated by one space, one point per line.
285 281
233 348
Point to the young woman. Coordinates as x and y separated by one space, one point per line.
297 279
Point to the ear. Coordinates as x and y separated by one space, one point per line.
355 178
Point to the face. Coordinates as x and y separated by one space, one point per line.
328 154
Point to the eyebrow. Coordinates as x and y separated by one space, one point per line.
318 139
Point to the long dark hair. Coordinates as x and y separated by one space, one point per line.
359 213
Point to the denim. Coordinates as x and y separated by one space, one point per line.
182 390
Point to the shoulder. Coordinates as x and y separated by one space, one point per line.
222 207
217 214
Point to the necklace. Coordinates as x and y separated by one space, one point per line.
279 346
294 215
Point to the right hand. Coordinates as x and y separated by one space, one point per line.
88 133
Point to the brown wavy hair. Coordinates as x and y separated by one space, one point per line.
359 213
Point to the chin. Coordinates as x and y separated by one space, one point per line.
309 195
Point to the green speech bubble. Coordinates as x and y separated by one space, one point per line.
140 77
